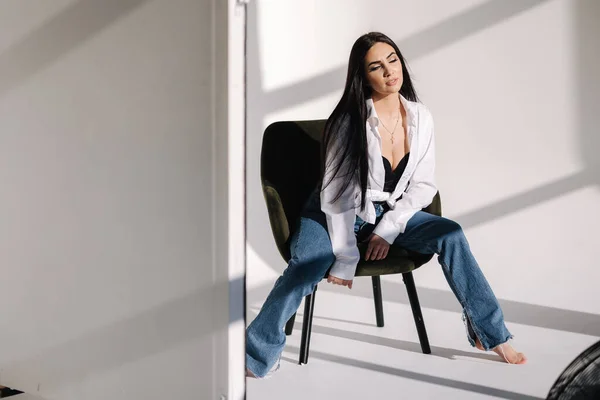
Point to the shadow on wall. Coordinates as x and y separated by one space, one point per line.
587 56
64 32
165 327
261 103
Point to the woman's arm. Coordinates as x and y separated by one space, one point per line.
420 192
340 216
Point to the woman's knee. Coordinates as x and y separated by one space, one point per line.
453 231
310 266
453 226
311 252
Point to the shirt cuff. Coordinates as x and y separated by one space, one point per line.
343 270
387 230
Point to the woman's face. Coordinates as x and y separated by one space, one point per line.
383 70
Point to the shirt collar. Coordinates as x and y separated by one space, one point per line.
409 106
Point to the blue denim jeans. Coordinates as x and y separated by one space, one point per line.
312 256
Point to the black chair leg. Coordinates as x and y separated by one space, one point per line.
416 310
289 326
309 306
378 300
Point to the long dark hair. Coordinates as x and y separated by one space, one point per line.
345 130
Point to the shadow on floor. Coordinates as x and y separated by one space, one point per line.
471 387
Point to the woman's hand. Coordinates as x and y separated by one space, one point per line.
377 249
338 281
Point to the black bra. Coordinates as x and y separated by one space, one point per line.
392 177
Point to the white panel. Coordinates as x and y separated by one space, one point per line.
107 164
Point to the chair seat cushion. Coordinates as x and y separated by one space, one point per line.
398 261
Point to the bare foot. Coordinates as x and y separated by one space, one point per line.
507 353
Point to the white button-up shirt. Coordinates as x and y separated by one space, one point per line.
419 171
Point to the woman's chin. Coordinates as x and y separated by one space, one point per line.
388 90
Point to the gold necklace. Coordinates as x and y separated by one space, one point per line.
395 126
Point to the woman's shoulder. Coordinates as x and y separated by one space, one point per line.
424 119
419 109
421 115
423 110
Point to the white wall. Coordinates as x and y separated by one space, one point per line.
113 286
513 88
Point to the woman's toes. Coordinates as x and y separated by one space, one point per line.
508 354
521 359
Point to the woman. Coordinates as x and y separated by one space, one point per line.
378 174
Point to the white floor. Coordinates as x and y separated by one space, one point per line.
351 358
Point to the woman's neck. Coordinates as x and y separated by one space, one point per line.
387 105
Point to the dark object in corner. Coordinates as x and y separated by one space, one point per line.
7 392
581 379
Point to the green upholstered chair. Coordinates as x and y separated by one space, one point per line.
290 167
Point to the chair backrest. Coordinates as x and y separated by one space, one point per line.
290 171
